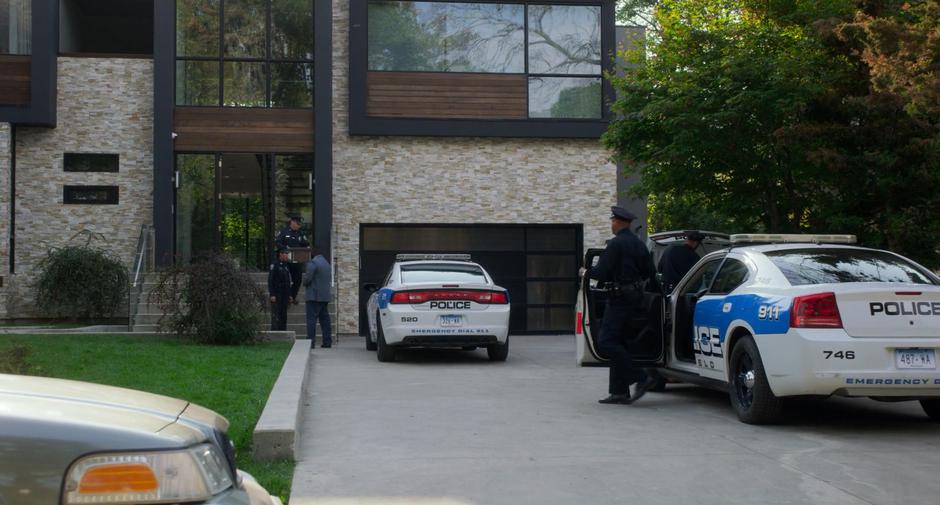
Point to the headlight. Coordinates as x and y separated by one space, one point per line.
193 474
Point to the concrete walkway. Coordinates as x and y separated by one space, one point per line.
451 428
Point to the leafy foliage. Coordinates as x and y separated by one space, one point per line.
80 282
210 301
787 116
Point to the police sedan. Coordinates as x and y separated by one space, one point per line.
438 301
777 316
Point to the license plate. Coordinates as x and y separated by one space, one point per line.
915 358
451 320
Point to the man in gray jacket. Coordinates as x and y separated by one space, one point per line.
317 281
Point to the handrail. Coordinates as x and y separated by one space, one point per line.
144 246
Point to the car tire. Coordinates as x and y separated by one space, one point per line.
370 345
498 352
386 353
750 393
931 407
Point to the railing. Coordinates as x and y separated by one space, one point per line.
143 264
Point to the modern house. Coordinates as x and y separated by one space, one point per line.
390 126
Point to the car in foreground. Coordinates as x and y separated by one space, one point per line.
68 442
777 316
437 301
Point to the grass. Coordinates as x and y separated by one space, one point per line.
233 381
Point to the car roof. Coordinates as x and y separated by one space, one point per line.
762 248
437 262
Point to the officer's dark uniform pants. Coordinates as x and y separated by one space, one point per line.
612 341
296 276
279 314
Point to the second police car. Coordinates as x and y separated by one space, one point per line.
442 300
776 316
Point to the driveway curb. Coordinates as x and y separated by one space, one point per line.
277 434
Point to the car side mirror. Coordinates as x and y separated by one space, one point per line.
701 293
370 287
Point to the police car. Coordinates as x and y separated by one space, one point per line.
777 316
438 301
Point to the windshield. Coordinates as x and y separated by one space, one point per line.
442 272
832 266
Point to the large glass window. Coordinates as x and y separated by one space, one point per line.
244 53
558 46
16 26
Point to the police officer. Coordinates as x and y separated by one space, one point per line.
289 237
279 285
623 268
679 259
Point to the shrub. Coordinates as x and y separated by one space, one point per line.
80 283
210 301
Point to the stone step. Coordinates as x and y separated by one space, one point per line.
292 318
299 329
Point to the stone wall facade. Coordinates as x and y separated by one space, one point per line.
453 180
6 165
104 106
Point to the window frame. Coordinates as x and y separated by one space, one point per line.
724 264
68 194
360 123
267 61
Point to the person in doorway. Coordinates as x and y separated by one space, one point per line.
678 259
623 268
279 289
317 281
292 236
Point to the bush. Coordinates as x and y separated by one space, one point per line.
210 301
80 283
15 360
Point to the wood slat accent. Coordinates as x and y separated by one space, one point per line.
15 79
214 129
440 95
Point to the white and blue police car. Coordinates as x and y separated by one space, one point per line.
438 300
776 316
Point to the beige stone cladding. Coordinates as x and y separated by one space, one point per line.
105 105
5 167
454 180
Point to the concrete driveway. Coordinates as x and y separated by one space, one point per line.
453 428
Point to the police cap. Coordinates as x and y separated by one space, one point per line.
621 214
694 235
297 217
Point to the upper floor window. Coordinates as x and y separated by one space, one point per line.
95 28
16 26
244 53
555 48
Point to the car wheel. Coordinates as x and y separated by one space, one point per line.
370 345
931 407
498 352
751 396
386 353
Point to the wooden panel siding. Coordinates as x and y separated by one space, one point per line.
14 80
218 129
446 95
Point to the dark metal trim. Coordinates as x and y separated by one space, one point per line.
323 127
41 110
362 124
12 189
164 93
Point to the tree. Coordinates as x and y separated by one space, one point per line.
767 115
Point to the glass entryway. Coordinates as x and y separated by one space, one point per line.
236 203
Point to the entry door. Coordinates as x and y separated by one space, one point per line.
644 336
243 206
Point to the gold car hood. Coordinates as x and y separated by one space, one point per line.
83 402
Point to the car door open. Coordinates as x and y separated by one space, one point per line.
644 335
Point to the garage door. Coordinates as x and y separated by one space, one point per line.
538 264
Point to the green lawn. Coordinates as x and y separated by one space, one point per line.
233 381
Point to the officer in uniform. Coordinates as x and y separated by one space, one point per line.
679 259
623 268
292 236
279 285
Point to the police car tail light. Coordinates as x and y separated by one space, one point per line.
815 311
419 297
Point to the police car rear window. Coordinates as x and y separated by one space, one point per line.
441 272
833 266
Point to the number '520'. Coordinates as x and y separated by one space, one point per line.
839 354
